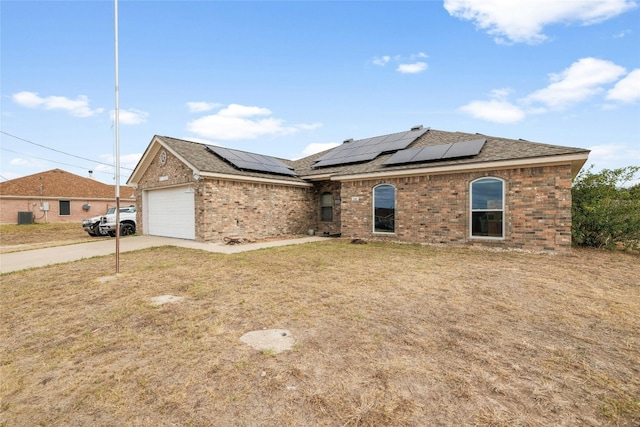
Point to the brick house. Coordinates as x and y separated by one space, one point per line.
416 186
57 196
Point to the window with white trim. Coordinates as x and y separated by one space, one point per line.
384 209
487 208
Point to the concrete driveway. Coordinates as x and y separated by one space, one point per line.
15 261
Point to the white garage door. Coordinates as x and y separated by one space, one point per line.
171 213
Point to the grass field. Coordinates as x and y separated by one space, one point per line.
22 237
386 335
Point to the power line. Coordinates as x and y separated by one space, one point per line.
53 161
58 151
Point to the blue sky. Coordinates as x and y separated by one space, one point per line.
289 78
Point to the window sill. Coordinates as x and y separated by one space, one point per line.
486 238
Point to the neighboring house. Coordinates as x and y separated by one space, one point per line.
57 196
417 186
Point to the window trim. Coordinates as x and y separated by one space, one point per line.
325 206
60 207
501 210
373 208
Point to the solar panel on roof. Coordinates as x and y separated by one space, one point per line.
402 156
364 149
422 154
436 152
342 160
376 139
389 146
369 148
464 149
252 161
247 157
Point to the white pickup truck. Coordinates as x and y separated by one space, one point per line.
127 222
92 225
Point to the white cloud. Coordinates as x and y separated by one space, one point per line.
242 122
76 107
411 64
523 21
627 90
28 99
318 147
237 110
414 68
311 126
622 34
200 107
130 117
382 60
130 160
583 79
580 81
611 156
495 110
498 109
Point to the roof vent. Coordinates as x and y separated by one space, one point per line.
418 127
346 141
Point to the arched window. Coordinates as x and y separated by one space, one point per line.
384 209
326 207
487 208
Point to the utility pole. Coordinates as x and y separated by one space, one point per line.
117 126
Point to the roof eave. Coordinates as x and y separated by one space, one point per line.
245 178
576 160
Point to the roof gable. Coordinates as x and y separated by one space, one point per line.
204 162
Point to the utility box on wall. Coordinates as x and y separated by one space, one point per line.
25 217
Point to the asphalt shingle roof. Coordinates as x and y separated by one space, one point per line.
205 161
60 184
495 149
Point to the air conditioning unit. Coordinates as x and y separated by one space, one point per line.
25 217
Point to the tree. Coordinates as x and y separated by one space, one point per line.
606 213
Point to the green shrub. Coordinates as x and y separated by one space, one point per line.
605 211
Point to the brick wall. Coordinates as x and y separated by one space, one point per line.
327 227
9 209
252 210
225 208
435 209
429 209
158 175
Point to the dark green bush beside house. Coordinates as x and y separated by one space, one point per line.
605 211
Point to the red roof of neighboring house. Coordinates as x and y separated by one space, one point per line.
58 183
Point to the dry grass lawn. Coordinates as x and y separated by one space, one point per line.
386 335
23 237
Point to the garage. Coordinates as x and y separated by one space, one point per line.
171 213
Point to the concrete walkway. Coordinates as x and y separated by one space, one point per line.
15 261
